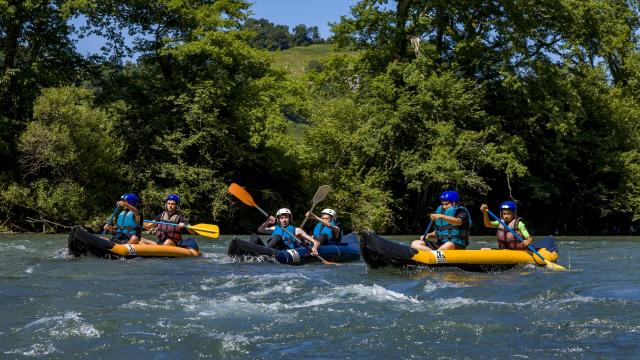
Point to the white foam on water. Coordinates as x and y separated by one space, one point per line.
278 289
29 269
457 302
235 343
237 305
550 304
190 301
64 326
141 304
218 258
36 350
63 254
238 298
575 298
214 308
375 292
311 303
453 303
233 280
257 277
433 286
80 294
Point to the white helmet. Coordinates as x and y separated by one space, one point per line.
330 212
284 211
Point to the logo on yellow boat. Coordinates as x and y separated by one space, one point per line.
439 255
132 250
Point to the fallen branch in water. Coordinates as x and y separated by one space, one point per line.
32 220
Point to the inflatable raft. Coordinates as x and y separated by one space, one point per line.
82 243
347 250
378 252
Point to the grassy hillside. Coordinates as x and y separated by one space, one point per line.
296 59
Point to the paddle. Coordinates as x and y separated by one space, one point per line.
427 231
115 210
244 196
207 230
550 264
319 196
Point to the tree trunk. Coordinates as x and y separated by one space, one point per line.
400 41
13 34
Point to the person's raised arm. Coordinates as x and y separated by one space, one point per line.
267 226
334 229
485 216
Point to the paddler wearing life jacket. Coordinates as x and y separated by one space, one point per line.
281 239
128 223
509 214
327 231
451 223
167 234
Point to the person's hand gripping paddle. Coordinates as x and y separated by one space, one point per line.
244 196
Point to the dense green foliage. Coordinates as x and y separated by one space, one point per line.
269 36
534 100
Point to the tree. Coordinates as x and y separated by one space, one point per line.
36 52
542 114
301 35
69 156
266 35
217 118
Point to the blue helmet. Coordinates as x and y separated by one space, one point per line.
131 199
509 205
451 196
173 197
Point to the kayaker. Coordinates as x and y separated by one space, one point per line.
280 239
327 230
167 234
451 225
509 214
128 225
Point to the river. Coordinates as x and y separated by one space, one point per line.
213 307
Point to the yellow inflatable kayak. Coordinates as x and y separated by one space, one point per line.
82 243
379 252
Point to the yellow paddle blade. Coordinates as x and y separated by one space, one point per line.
242 194
205 227
208 230
554 266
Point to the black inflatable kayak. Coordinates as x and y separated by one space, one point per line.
82 242
347 250
378 252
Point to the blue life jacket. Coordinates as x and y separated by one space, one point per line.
445 231
126 225
288 240
321 229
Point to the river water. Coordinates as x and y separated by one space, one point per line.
212 307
